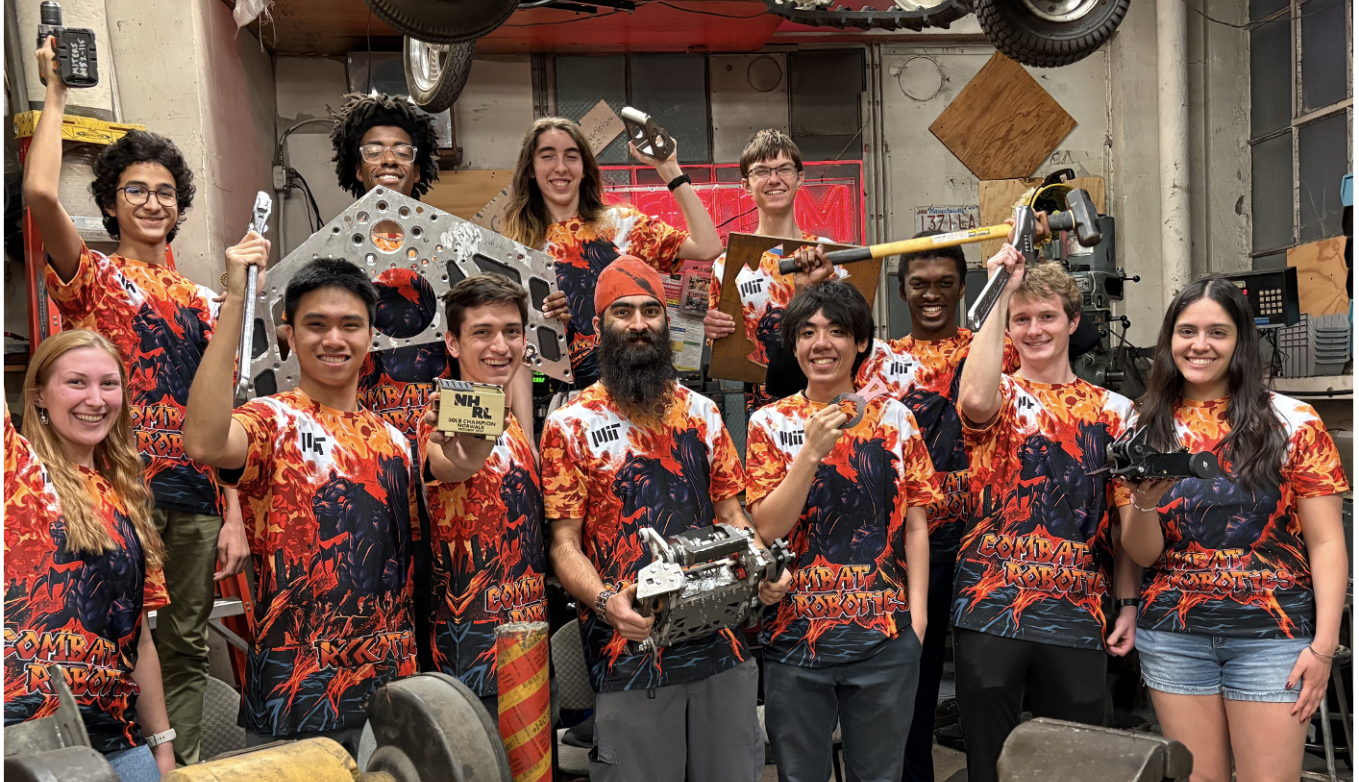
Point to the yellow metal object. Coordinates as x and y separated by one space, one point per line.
312 760
81 129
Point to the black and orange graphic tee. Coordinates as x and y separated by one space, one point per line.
849 592
81 611
924 375
1036 560
489 557
1235 562
621 475
161 322
582 251
329 506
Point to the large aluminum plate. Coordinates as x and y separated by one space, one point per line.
413 253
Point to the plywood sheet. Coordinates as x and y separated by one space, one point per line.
1321 276
730 354
1003 124
996 199
463 193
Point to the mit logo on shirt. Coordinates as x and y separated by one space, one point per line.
900 368
752 287
313 443
794 437
608 434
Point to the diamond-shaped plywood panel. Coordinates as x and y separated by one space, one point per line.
1003 124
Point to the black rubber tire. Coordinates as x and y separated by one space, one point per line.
444 21
1028 39
452 78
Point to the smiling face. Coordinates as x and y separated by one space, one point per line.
826 352
773 183
147 223
490 344
387 171
330 337
1040 330
932 290
558 168
1202 346
83 396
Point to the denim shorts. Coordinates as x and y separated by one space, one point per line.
1240 669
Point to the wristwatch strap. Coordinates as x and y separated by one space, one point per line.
679 180
1127 601
156 739
602 602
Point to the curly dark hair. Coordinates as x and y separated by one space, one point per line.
139 146
362 112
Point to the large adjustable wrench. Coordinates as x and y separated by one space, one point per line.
259 223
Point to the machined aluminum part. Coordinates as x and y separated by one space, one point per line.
397 239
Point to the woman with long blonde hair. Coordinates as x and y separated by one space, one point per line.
557 204
82 557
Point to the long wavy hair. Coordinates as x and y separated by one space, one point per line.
1256 445
527 218
116 458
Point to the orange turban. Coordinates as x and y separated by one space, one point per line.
627 276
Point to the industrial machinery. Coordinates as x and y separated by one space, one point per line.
702 581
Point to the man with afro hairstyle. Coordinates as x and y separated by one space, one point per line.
161 322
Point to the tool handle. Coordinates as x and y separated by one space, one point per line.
951 239
986 300
247 332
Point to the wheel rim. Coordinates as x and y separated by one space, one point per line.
427 63
1060 11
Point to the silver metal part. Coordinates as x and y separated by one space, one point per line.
650 139
1025 225
63 729
703 581
860 405
398 240
259 223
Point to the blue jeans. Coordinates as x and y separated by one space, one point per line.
134 765
1240 669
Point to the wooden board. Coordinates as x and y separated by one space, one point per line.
1321 276
996 199
1003 124
464 192
730 355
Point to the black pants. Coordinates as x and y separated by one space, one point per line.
919 765
994 674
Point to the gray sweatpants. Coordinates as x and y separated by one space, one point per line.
872 698
709 725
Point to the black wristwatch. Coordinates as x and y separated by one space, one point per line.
679 180
1123 603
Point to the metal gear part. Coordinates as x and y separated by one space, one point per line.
907 14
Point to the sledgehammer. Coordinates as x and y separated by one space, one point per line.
1080 217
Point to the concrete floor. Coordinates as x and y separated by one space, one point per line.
950 765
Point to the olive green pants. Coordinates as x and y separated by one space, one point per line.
182 627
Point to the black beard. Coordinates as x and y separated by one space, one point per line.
638 376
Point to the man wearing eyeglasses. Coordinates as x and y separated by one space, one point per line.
771 173
161 322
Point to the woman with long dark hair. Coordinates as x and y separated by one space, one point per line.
82 557
1246 573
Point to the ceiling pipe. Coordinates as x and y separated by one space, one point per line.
1172 76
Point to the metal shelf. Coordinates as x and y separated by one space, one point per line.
1334 386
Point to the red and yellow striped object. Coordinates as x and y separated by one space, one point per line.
525 707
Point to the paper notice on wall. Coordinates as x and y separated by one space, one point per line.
947 218
686 300
601 126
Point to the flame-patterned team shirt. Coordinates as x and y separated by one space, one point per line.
924 375
489 557
1235 562
329 506
1036 560
81 611
581 251
849 592
619 476
161 323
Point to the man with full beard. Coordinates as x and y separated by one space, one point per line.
637 449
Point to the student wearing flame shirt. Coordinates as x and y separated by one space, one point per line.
484 498
82 557
845 643
634 450
326 488
1246 572
1038 560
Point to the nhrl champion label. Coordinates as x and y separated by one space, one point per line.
471 408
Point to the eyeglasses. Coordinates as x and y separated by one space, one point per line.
138 195
372 153
785 171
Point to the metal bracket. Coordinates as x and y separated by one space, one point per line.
399 241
